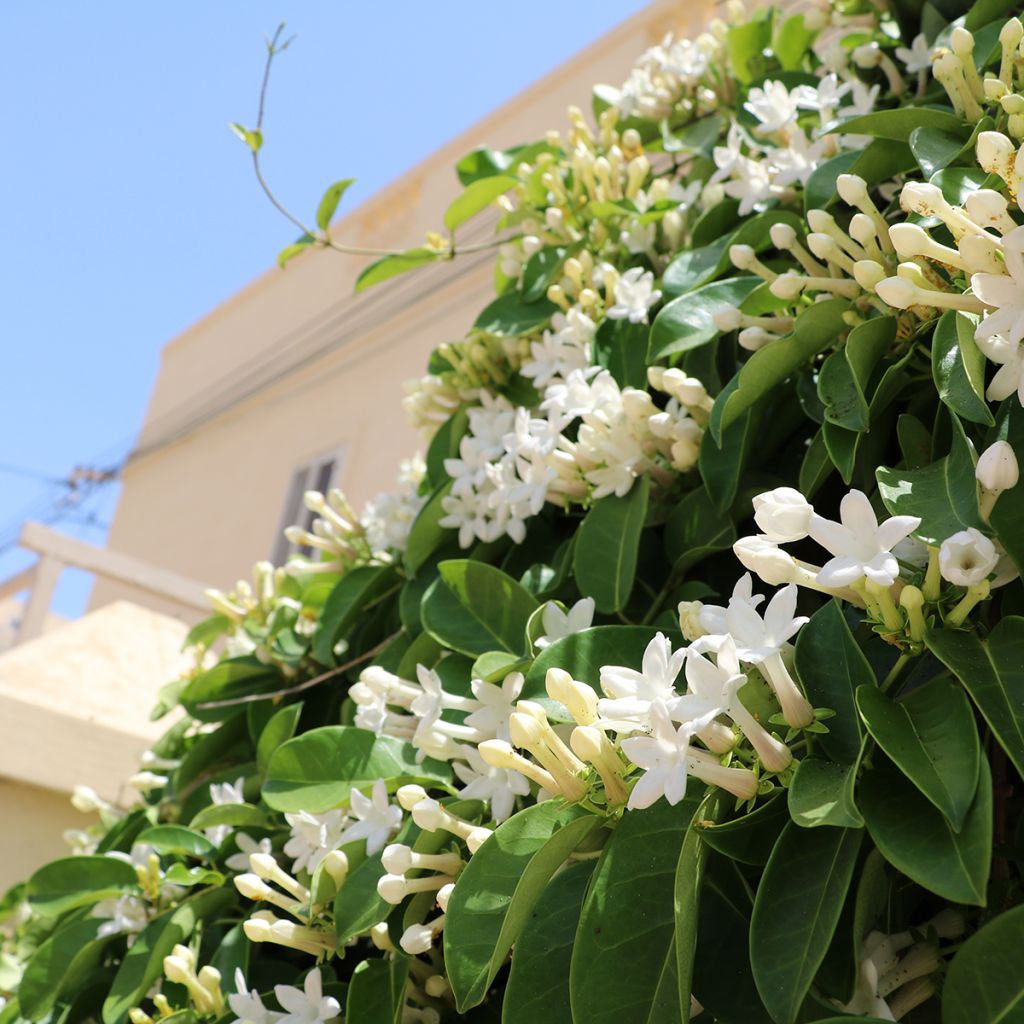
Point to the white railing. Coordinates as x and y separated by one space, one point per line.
58 552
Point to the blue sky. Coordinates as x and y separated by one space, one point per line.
128 210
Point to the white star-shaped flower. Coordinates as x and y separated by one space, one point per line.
306 1005
635 294
313 837
498 704
246 1004
558 624
664 755
377 819
498 787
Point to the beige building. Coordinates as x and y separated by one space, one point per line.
295 382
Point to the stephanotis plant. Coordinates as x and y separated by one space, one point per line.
682 679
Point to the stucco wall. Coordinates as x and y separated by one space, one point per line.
210 502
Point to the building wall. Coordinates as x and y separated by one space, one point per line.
295 365
40 816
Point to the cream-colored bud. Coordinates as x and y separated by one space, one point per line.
867 273
997 468
852 189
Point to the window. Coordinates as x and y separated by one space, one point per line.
316 475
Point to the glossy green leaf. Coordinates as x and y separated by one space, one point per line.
329 203
509 315
931 736
750 837
621 348
934 148
73 882
746 44
877 163
61 964
629 919
844 378
689 881
476 197
604 561
228 680
694 530
474 608
279 729
376 991
427 533
916 839
992 673
499 888
174 839
318 770
352 595
543 269
816 329
793 924
821 793
144 961
236 815
538 983
1008 514
958 367
943 494
688 321
985 981
723 461
831 666
391 266
897 124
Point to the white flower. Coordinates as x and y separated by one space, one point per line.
918 57
498 704
558 624
664 755
246 1004
860 546
783 514
999 335
635 294
307 1005
967 557
126 915
498 787
632 694
773 105
1009 357
246 845
638 238
224 793
313 837
376 818
997 468
754 185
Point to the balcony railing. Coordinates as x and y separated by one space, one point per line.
57 552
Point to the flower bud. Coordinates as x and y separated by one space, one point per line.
783 236
409 796
764 558
753 338
742 257
852 189
898 293
997 468
996 154
868 273
783 514
727 319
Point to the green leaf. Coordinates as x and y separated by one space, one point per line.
61 965
181 874
499 888
898 124
583 654
916 839
985 981
746 44
175 839
992 672
944 495
821 793
289 252
791 41
71 882
958 368
689 881
695 529
816 329
796 910
278 730
474 608
543 269
477 196
931 736
723 460
252 138
144 961
934 148
376 991
347 603
538 983
204 633
604 561
621 348
751 837
329 202
228 680
427 533
623 961
687 322
845 375
831 666
509 316
319 769
391 266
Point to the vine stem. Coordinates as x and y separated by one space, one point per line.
323 238
894 672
